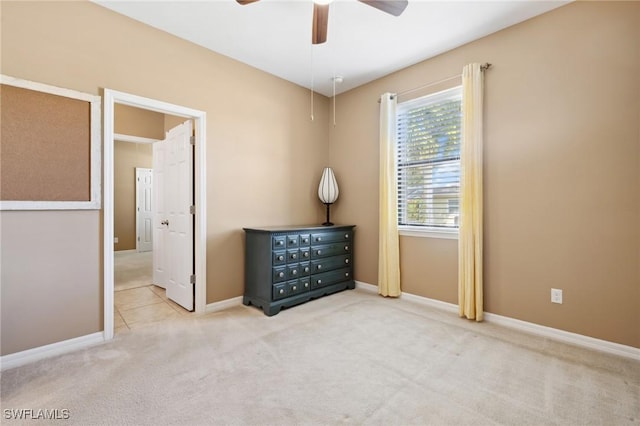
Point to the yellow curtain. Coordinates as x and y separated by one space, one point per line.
470 237
388 244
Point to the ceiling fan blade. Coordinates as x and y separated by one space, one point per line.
394 7
243 2
320 22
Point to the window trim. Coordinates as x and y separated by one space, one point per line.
428 232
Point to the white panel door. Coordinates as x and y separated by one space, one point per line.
144 210
160 228
178 200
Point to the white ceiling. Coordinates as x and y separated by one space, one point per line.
363 43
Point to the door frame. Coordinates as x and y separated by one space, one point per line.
138 230
112 97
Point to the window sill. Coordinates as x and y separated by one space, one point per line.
422 232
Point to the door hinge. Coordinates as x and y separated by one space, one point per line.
192 209
138 238
192 279
192 140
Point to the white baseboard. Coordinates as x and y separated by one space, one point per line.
369 288
527 327
223 304
117 252
565 336
30 355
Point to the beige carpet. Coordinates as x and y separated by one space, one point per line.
350 358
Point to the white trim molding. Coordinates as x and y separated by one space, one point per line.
426 232
369 288
524 326
223 304
112 97
565 336
31 355
132 139
95 202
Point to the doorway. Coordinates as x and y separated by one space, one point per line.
112 97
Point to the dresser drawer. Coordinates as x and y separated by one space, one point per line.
305 268
332 277
330 250
305 284
292 241
280 291
279 274
305 240
293 271
279 257
331 237
292 255
305 253
330 263
278 241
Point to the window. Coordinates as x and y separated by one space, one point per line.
428 143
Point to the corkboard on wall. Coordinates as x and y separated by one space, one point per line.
45 146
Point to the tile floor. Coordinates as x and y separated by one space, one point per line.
141 306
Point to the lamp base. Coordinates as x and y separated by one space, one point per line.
327 223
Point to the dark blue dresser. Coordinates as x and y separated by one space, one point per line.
286 266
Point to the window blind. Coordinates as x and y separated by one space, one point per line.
428 154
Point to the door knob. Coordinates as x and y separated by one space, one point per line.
164 222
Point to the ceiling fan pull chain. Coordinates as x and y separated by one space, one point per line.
334 101
312 82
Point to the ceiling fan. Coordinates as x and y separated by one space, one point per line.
321 14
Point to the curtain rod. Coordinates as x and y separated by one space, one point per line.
483 67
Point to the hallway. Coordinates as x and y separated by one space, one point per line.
137 301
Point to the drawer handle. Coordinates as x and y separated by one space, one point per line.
280 242
346 236
306 269
306 284
305 254
295 288
319 252
346 261
293 256
305 240
319 281
319 267
281 291
319 239
280 257
281 274
346 248
346 274
294 272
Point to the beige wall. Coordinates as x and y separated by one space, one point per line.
264 155
127 157
50 277
562 172
133 121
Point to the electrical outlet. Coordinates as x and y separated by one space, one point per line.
115 240
556 296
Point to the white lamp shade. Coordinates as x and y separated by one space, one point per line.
328 189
